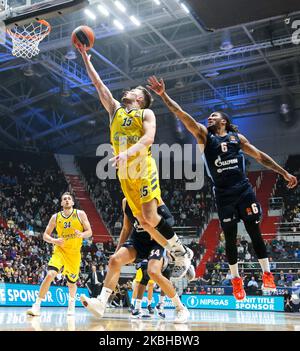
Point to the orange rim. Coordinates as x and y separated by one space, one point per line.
31 37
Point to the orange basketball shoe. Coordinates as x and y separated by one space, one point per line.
238 289
268 282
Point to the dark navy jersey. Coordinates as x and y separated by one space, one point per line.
142 234
138 231
225 162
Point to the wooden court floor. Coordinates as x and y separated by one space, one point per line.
55 319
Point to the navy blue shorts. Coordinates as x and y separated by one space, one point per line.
149 249
243 206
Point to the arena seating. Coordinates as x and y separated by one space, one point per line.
290 220
30 193
188 207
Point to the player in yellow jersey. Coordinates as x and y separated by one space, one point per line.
132 132
72 226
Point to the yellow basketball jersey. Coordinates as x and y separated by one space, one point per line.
126 129
65 228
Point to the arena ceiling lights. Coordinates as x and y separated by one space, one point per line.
104 9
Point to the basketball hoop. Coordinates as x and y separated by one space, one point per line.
26 38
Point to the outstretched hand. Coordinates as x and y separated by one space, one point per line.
84 54
292 180
157 86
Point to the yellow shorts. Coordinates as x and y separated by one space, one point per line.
139 276
70 262
142 186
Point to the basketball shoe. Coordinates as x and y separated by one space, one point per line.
35 310
181 316
182 262
138 313
268 282
160 311
95 306
238 289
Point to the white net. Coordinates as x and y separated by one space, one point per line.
26 38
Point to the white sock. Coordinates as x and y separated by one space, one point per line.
264 263
149 302
234 270
132 301
38 301
177 303
105 294
162 299
176 244
71 299
138 304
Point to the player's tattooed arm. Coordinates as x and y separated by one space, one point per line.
106 97
266 161
197 129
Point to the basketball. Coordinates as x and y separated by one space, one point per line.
83 35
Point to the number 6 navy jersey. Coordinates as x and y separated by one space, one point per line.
225 162
225 165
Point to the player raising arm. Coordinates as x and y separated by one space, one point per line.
224 150
132 132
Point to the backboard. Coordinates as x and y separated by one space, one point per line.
19 12
18 16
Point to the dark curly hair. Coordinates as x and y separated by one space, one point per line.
229 126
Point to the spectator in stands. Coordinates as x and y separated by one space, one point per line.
195 290
1 268
252 286
10 223
8 269
215 278
96 278
188 290
205 280
289 278
227 280
281 279
223 265
272 264
240 250
297 254
8 278
219 291
202 291
287 301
